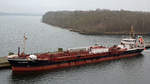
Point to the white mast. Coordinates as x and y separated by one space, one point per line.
132 34
24 42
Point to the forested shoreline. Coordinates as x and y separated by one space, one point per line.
100 21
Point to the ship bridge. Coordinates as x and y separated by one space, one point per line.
128 41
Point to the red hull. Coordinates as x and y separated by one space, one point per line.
56 66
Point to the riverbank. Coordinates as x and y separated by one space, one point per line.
97 22
106 33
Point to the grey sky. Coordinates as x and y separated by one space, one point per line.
42 6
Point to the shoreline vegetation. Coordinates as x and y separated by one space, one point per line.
100 21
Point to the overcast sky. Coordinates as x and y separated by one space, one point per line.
42 6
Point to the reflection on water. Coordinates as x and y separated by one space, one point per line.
132 64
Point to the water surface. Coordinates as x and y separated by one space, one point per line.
44 38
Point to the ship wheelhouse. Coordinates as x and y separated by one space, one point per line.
128 43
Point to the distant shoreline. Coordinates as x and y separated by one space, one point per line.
18 14
100 21
104 33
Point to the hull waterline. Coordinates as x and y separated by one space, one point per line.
57 66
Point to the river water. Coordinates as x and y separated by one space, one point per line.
43 38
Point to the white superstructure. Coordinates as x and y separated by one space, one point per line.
130 43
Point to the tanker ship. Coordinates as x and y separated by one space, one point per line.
128 47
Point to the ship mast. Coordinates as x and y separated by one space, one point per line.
132 34
24 43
